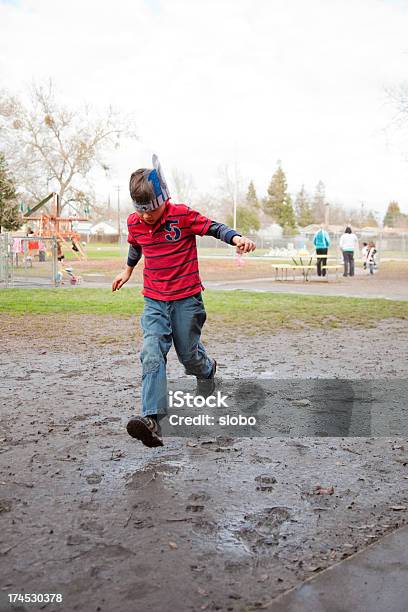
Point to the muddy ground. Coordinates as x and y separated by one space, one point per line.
213 524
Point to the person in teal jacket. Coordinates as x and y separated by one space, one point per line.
321 242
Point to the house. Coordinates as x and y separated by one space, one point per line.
103 229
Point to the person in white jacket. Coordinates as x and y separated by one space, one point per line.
348 244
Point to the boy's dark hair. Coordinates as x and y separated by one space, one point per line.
347 230
141 190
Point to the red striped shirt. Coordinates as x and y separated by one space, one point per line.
170 253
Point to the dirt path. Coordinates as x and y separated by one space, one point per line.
88 512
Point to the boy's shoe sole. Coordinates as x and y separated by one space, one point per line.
206 386
141 429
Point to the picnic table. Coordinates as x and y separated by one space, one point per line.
303 261
305 267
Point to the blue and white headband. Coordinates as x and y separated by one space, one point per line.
160 189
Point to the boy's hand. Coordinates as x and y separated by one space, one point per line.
243 244
120 280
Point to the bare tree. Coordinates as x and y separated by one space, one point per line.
230 188
48 144
209 205
10 217
397 129
398 96
184 186
230 183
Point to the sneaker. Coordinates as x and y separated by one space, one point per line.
206 386
145 429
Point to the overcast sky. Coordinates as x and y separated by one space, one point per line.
214 81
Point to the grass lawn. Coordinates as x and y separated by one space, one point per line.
104 250
107 250
96 250
254 312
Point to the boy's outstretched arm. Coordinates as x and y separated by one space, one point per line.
134 255
230 236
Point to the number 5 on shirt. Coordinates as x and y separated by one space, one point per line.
174 232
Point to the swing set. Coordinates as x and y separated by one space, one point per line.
52 225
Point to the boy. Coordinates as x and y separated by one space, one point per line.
174 310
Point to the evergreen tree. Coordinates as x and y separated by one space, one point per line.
370 220
304 213
251 197
279 203
393 215
247 220
10 218
319 203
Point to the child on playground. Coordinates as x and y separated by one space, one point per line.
370 259
173 306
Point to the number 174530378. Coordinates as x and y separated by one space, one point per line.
35 598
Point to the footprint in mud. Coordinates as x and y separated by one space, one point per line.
199 496
94 478
197 501
262 528
109 552
111 419
194 508
203 526
149 474
265 482
70 452
76 540
121 361
223 441
83 417
261 459
140 479
143 523
5 505
143 506
65 375
301 448
88 505
140 589
92 526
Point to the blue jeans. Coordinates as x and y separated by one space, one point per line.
179 321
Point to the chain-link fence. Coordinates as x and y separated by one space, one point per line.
5 261
27 261
389 247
